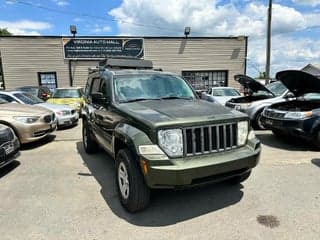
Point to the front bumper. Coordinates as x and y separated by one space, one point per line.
9 152
192 171
295 127
68 120
33 132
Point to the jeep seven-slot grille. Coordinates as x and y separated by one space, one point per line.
208 139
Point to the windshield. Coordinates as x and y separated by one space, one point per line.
225 92
33 91
150 86
277 88
28 98
2 101
67 93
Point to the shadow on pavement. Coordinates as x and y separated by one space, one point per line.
316 161
9 168
284 142
167 207
29 146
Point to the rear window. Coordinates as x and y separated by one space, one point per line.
67 93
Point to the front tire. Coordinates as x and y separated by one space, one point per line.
89 144
133 192
258 123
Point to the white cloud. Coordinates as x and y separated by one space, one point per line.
61 3
287 52
307 2
25 27
207 18
101 29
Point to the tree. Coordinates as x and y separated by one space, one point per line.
5 32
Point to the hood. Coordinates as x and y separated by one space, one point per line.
20 109
169 112
250 83
299 82
55 107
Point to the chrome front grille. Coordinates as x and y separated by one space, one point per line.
209 139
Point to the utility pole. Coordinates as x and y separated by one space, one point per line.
268 50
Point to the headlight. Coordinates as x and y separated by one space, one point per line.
171 142
26 119
298 115
251 135
242 132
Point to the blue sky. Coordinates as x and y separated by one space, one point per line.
296 28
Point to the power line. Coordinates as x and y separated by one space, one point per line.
79 14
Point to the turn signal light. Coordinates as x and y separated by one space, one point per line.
144 166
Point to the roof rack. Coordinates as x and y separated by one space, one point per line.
126 63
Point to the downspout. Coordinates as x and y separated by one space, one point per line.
70 73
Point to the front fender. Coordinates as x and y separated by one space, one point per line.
131 136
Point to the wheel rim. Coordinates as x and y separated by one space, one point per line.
85 137
260 123
123 180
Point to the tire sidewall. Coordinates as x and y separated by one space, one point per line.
123 157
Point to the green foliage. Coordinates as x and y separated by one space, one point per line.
5 32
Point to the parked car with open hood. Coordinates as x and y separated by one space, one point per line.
299 116
260 96
65 115
71 96
220 94
29 123
161 134
41 92
9 145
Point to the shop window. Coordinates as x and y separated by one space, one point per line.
204 80
1 75
48 79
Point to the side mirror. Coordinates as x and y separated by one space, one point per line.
98 98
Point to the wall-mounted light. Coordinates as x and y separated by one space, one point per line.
187 31
73 30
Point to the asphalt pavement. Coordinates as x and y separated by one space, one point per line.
56 191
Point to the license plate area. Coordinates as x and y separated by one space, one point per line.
9 148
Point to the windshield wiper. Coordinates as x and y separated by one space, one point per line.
176 97
138 100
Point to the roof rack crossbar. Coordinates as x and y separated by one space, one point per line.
126 63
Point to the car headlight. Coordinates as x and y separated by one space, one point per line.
251 135
298 115
171 142
27 119
243 127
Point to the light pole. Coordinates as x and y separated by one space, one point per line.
268 50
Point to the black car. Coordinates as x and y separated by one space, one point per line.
9 145
300 115
42 92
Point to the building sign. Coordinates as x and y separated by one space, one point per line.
101 48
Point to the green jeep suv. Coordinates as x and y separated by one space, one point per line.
161 134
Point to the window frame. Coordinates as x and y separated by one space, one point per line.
41 84
209 74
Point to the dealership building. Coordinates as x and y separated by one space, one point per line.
57 61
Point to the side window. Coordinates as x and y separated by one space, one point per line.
7 98
96 82
104 88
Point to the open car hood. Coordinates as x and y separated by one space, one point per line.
250 83
299 82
